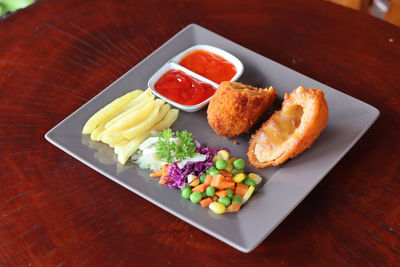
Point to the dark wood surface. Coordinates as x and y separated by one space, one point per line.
56 55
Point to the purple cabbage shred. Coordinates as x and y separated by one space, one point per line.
178 176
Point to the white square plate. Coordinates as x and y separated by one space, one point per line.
286 185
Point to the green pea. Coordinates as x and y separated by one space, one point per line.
236 199
238 164
203 194
221 164
224 201
203 177
210 191
186 192
229 193
214 172
212 168
195 197
186 186
249 182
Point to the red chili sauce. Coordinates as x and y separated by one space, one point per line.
182 88
209 65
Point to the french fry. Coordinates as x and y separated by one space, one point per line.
168 120
113 139
131 119
108 112
146 125
128 149
115 144
120 146
95 133
146 94
135 105
163 111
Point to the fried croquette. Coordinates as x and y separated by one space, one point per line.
290 130
236 107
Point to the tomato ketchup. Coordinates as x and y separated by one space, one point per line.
182 88
209 65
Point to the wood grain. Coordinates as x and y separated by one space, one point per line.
55 211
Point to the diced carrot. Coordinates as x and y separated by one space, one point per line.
205 202
214 198
225 173
156 174
232 187
208 180
219 182
233 207
200 188
164 170
216 180
221 193
241 189
228 179
225 185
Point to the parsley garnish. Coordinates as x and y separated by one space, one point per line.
170 151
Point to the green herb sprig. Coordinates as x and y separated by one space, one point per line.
170 151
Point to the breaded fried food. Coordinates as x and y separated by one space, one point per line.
236 107
290 130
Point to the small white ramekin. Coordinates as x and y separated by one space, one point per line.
173 64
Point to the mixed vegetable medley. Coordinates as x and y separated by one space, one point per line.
209 177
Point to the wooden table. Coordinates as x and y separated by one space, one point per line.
56 55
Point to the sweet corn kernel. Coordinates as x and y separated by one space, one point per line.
229 167
231 160
234 171
248 194
216 207
237 178
255 177
216 158
192 180
223 154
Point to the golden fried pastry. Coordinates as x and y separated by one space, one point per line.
290 130
236 107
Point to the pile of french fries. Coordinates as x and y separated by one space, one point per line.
128 120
